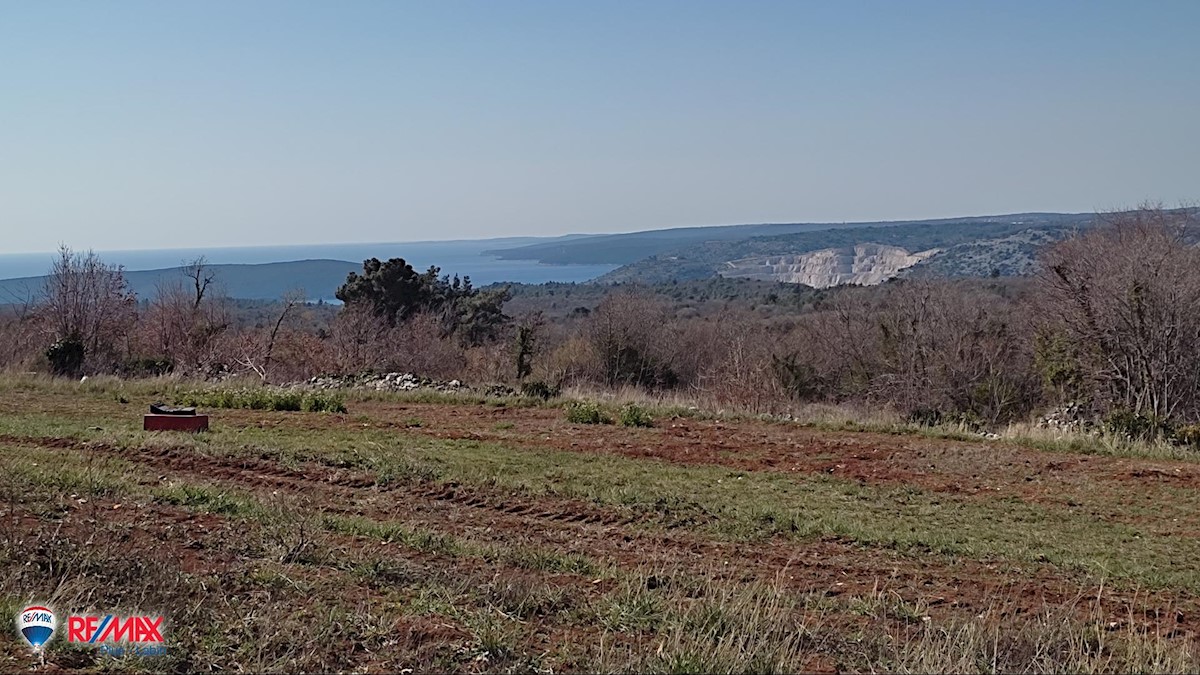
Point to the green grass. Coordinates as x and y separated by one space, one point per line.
207 498
753 505
1106 536
633 415
292 400
586 412
428 541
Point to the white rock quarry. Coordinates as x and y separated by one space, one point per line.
863 264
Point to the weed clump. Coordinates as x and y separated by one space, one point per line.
1188 435
539 389
586 412
633 415
264 399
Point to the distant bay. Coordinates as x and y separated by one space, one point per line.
464 258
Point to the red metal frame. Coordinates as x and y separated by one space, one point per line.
192 423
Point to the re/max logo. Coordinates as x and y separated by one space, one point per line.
94 629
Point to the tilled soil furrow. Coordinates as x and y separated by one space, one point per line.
832 567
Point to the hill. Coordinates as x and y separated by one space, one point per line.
620 249
626 248
992 238
319 279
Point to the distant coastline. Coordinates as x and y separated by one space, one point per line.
464 258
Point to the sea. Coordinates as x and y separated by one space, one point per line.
464 258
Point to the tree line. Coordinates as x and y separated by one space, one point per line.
1110 324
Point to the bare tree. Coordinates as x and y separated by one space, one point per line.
928 348
88 306
201 276
629 332
1127 298
358 338
187 320
256 350
736 362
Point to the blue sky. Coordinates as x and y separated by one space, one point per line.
258 123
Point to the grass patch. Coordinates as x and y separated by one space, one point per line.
264 398
392 532
633 415
207 498
586 412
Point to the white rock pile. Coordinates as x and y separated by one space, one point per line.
1069 417
382 382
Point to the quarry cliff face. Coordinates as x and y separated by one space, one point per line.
864 265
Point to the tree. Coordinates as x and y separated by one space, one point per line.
479 316
256 351
931 349
87 312
187 320
395 292
629 334
525 343
1126 296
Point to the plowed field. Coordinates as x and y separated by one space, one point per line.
489 538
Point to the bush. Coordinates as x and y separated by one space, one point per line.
66 356
930 417
539 389
147 367
633 415
1188 435
1139 426
925 417
586 412
264 399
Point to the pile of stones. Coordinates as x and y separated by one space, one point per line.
382 382
1069 417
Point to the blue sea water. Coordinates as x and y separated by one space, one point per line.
464 258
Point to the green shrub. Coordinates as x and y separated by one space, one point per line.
586 412
633 415
1138 426
264 399
66 356
932 417
1188 435
147 367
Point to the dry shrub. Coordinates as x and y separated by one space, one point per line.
572 361
737 365
941 348
633 341
488 363
357 339
1124 301
89 303
18 342
420 345
186 322
300 355
361 341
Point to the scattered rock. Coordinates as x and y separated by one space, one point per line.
382 382
1069 417
499 390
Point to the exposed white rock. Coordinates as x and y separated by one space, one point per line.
864 265
380 382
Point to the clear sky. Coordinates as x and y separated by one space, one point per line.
167 124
